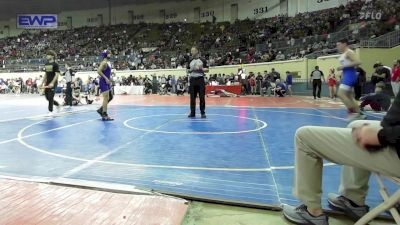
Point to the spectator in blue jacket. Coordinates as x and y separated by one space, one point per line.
289 82
280 88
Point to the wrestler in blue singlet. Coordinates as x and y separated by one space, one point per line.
349 73
107 72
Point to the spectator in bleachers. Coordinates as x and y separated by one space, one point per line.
280 56
172 39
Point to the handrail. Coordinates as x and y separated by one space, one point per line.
388 40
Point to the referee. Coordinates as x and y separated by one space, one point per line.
197 67
316 77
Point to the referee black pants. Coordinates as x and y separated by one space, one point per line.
358 91
317 84
68 94
197 86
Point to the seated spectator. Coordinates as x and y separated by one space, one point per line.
271 32
180 88
378 101
266 87
362 148
148 87
280 56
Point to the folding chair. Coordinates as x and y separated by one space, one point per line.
389 203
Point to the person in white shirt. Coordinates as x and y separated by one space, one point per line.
69 79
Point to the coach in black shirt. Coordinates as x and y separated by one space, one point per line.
381 74
361 80
197 67
50 79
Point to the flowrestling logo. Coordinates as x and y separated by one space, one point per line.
37 21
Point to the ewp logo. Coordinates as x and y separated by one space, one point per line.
35 21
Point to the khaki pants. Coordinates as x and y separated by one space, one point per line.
396 88
313 144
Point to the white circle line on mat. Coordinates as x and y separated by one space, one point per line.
263 125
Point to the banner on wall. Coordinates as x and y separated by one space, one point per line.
37 21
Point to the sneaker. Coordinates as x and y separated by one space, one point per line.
50 114
345 205
356 116
107 118
191 116
300 215
203 116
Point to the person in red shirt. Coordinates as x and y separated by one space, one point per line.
396 77
29 84
253 85
332 83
